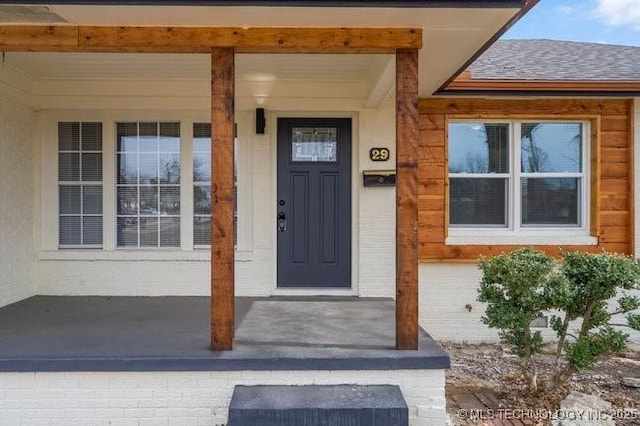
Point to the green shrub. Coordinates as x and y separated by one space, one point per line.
593 281
516 288
519 286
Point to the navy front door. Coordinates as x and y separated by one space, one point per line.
314 202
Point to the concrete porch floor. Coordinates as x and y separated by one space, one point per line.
47 333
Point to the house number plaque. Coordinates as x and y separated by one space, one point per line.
379 154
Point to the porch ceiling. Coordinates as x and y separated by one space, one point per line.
260 78
134 66
450 35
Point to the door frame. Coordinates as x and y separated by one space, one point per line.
355 187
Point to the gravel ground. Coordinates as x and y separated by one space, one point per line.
492 369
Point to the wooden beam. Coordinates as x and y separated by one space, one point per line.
222 185
407 117
66 38
35 38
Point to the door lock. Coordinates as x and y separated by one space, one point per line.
282 222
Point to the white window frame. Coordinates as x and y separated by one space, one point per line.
205 184
81 184
515 233
195 184
47 177
138 186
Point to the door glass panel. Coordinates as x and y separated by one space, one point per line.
314 144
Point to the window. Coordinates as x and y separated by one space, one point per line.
517 175
148 184
79 185
201 184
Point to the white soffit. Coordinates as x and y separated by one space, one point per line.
182 66
28 14
451 36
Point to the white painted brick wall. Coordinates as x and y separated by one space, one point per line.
17 135
123 278
377 207
183 398
374 224
446 289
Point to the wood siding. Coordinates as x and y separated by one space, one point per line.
611 177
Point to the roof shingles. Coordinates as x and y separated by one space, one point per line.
557 60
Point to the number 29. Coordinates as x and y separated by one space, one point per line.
379 154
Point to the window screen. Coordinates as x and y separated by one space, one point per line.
478 174
551 174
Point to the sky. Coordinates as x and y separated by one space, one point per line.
598 21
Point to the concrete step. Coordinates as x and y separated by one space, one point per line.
335 405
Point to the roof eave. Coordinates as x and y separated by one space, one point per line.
525 6
494 87
296 3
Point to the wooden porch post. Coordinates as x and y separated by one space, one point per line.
407 199
222 248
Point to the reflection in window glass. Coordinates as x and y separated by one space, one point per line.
547 189
148 190
202 195
551 147
478 148
481 150
201 184
315 144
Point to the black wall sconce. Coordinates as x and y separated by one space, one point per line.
261 122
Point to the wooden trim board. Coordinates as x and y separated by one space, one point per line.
67 38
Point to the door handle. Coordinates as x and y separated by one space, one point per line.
282 222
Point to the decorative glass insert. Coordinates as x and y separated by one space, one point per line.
148 184
79 185
314 144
